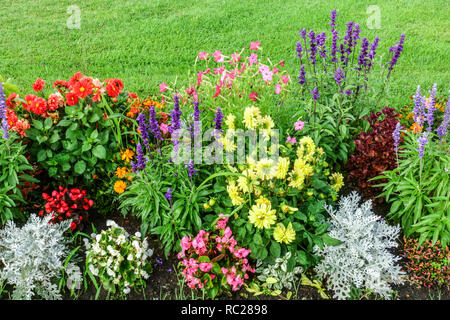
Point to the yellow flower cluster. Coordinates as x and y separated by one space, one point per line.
284 234
338 181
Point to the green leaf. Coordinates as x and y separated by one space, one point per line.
302 258
80 167
99 151
37 124
275 249
48 123
42 155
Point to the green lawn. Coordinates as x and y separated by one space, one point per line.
145 42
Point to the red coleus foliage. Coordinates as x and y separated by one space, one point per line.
67 204
374 152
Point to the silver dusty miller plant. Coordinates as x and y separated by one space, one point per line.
33 256
278 271
362 259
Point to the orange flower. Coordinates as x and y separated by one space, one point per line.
127 155
119 186
416 128
121 172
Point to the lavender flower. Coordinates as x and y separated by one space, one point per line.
442 129
422 140
396 51
168 196
196 111
175 115
154 127
4 123
334 45
302 75
373 49
396 136
418 108
218 120
363 54
299 51
321 39
143 128
313 47
302 34
339 76
190 167
333 19
315 94
140 158
349 92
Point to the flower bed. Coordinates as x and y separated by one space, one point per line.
240 174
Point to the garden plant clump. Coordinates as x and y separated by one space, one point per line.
243 179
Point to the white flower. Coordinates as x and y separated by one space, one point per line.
130 257
98 237
93 270
138 234
126 290
110 272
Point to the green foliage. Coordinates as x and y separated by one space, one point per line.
418 190
75 148
13 164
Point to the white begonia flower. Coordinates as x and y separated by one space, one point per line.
138 234
130 257
111 223
93 270
110 272
126 290
121 239
98 237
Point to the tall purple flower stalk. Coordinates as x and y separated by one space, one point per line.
141 160
175 115
196 113
299 50
313 47
339 76
418 108
372 51
144 129
218 120
334 49
443 128
321 39
396 136
422 140
333 19
362 59
154 127
431 108
396 52
3 117
302 34
191 169
302 75
315 94
168 196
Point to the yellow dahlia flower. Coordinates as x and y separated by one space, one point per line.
229 121
233 192
282 234
262 216
265 169
252 117
282 168
338 180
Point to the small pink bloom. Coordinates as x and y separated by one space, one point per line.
278 88
164 128
218 56
205 266
282 63
253 96
276 70
299 125
235 57
218 89
254 45
253 58
286 79
291 140
163 87
203 55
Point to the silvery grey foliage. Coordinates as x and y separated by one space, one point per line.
278 271
362 259
32 257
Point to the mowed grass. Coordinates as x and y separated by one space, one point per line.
145 42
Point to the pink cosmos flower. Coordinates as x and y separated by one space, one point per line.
164 128
218 56
203 55
291 140
278 88
163 87
299 125
253 96
253 58
254 45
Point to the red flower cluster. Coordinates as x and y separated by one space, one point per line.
374 152
427 263
67 204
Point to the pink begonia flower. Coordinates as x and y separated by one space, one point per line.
235 57
278 88
163 87
164 128
185 243
253 96
218 56
254 45
203 55
205 266
299 125
291 140
286 79
253 58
